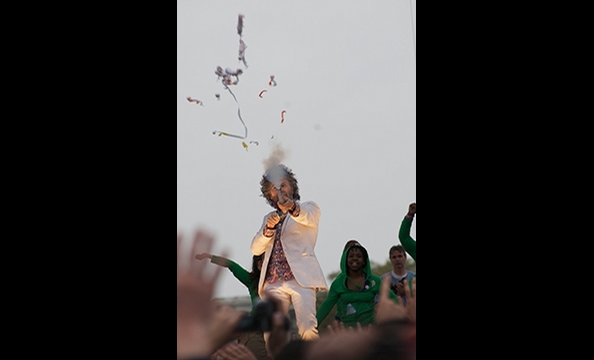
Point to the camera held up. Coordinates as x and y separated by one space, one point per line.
261 320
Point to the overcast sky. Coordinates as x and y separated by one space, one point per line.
346 77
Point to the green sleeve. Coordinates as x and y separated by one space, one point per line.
329 303
408 243
240 273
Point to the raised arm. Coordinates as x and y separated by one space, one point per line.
239 272
219 260
409 244
308 213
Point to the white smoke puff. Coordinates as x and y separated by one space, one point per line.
275 173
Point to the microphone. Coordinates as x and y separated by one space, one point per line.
282 200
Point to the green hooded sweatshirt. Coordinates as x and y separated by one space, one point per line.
353 307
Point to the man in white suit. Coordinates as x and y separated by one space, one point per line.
288 236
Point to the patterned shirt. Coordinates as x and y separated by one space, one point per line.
278 266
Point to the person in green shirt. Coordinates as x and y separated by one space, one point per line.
408 243
354 291
254 341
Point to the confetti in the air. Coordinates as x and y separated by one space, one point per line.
283 116
198 102
227 74
230 77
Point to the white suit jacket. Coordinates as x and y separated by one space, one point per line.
298 237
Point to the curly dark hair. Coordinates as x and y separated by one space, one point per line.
287 174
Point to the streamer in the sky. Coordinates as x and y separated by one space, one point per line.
241 56
240 24
226 80
262 93
230 77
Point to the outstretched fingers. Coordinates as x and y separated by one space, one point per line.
385 288
359 328
202 241
407 289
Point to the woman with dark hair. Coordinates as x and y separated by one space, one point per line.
354 291
252 340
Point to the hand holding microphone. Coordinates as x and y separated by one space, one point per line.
285 204
272 221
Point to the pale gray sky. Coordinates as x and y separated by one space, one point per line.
346 76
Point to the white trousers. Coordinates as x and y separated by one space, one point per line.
304 304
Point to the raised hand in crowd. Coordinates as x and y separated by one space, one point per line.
411 295
408 243
412 209
387 310
338 327
203 326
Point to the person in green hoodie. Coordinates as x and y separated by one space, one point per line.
354 291
254 340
